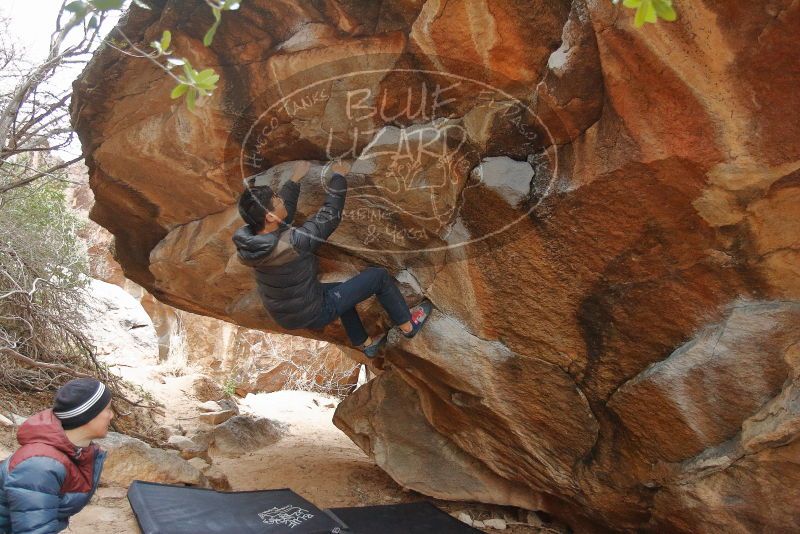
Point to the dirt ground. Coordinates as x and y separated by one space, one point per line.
314 458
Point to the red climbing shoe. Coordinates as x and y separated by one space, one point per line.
419 314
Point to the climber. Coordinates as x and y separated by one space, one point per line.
54 473
286 267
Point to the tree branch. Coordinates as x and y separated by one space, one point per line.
42 365
29 82
26 181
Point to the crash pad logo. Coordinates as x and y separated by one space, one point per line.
288 515
441 157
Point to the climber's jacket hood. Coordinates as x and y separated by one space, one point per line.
253 247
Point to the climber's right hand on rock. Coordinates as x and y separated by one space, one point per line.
340 167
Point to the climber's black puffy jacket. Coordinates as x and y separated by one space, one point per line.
284 261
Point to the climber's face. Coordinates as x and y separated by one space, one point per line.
97 428
278 212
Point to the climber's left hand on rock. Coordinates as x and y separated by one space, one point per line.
300 169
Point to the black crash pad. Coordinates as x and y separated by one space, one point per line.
409 518
168 509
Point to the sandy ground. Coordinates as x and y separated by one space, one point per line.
314 458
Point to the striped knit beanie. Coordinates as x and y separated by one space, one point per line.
79 401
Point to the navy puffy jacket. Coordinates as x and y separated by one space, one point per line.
47 480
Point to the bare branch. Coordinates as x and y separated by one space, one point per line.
144 55
25 181
58 105
42 365
22 291
31 81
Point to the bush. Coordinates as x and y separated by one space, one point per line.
43 277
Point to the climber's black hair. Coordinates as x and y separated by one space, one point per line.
254 203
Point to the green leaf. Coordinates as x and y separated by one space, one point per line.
212 81
668 13
650 12
175 61
191 74
178 91
632 3
190 98
207 86
76 6
141 4
105 5
230 5
209 36
79 10
641 13
205 73
665 10
207 79
166 38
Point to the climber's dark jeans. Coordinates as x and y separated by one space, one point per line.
340 300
